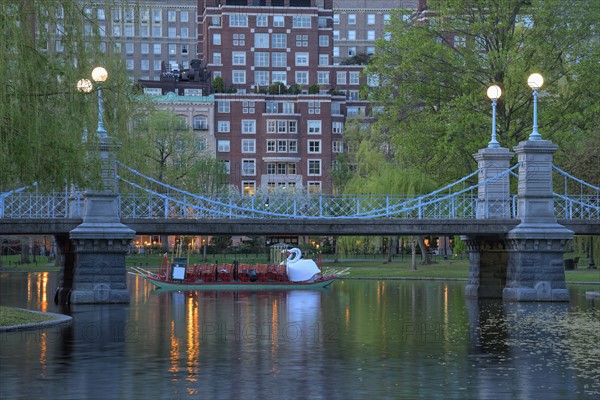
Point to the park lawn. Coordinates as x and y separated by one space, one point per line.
17 316
456 268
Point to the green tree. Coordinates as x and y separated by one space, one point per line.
42 115
167 150
433 77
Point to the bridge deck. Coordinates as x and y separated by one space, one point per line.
345 227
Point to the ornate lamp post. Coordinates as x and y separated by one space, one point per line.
99 75
535 81
494 92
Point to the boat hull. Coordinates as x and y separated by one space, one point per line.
236 285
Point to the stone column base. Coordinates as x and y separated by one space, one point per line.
541 292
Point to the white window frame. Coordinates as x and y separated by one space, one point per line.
248 126
261 40
248 146
248 167
223 126
301 59
223 146
313 127
238 58
312 165
313 146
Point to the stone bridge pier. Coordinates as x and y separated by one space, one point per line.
93 253
527 263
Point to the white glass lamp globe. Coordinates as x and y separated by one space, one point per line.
535 81
494 92
99 74
84 85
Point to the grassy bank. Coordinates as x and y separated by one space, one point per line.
365 267
17 316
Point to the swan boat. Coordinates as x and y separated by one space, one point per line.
292 273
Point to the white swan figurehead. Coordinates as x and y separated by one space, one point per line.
300 270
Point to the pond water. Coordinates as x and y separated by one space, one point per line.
358 339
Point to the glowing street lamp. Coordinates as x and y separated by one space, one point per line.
494 92
535 82
99 75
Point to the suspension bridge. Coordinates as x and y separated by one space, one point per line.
516 220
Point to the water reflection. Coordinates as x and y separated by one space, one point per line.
382 339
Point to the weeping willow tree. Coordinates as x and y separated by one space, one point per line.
46 47
375 174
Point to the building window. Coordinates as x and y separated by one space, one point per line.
216 39
278 21
223 106
157 31
282 146
262 20
172 32
248 146
336 35
370 19
200 122
337 147
301 21
271 168
144 48
287 108
271 107
353 95
323 59
314 127
323 77
323 41
301 60
301 40
460 41
183 16
261 59
223 146
172 49
145 65
261 40
216 58
351 51
314 167
370 35
279 41
238 20
238 77
271 146
370 50
248 187
239 39
341 77
279 59
281 126
313 187
279 76
354 78
172 15
352 35
226 166
129 48
261 78
248 126
238 58
351 19
292 146
314 147
302 77
336 51
337 127
386 19
292 126
223 127
248 166
336 19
